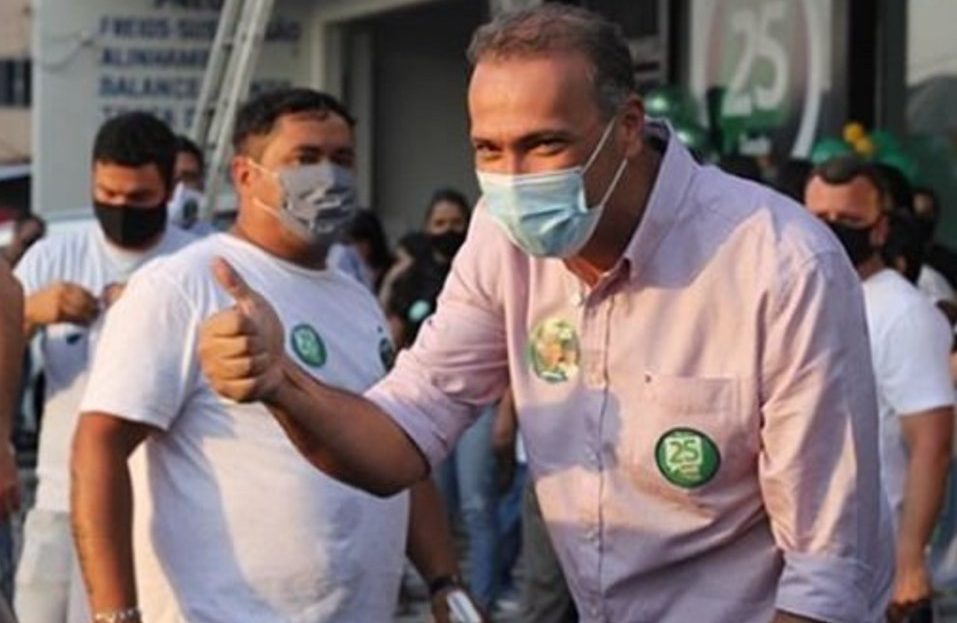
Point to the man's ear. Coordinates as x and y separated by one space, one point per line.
633 125
241 171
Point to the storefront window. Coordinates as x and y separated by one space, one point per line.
760 70
931 113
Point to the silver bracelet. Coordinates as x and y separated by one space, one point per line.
127 615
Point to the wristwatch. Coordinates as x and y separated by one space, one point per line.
442 582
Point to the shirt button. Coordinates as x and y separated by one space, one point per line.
594 459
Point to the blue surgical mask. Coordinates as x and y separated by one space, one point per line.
319 200
547 214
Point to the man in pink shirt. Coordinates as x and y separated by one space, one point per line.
687 353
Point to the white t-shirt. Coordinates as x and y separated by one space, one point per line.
344 258
910 348
934 285
231 522
85 258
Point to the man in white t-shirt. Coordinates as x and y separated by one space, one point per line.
68 280
231 522
185 205
910 347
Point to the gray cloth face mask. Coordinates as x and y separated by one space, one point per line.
319 200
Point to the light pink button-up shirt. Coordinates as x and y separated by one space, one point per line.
701 425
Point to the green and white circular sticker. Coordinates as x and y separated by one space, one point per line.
308 346
553 350
687 457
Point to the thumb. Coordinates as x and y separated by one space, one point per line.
233 283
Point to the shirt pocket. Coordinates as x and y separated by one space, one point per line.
689 436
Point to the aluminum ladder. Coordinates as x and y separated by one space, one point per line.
232 61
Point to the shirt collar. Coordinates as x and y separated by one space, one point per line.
665 201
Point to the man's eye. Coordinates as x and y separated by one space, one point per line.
550 145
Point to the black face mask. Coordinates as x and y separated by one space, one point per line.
130 227
448 243
855 240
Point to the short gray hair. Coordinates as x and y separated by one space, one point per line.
552 27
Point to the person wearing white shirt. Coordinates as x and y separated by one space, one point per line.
68 281
231 522
910 346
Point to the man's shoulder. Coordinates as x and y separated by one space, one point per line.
761 223
74 242
185 268
176 238
890 298
61 255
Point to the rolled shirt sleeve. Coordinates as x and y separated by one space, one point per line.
819 466
459 361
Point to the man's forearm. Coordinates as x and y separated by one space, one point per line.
345 435
430 546
102 514
924 487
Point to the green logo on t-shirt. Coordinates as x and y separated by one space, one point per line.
687 457
308 346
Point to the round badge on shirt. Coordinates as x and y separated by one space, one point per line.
308 346
553 350
687 457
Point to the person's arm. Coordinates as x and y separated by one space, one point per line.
242 353
818 467
402 263
914 377
59 302
127 397
927 436
101 510
48 299
339 446
504 435
414 415
431 548
11 365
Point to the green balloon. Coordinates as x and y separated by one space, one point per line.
672 103
828 148
902 162
884 141
694 137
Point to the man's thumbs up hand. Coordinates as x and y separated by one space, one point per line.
241 348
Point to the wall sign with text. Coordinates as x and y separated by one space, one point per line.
767 58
